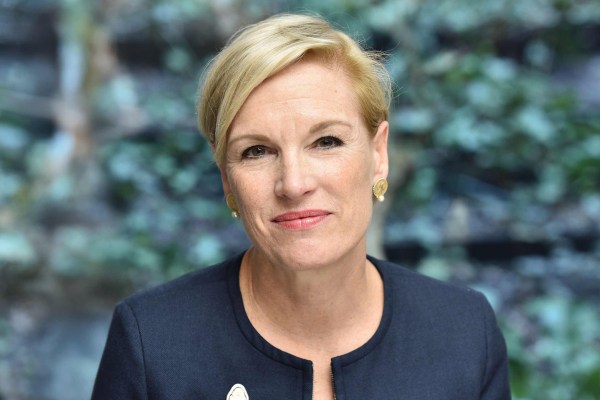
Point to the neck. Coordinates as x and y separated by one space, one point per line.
313 306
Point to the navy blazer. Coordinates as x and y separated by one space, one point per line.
191 339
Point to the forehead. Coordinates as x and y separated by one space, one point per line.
310 85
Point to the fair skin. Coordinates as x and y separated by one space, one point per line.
300 163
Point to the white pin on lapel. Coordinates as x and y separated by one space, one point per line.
238 392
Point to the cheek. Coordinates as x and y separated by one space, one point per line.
252 197
253 192
247 190
354 172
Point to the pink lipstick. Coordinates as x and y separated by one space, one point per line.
298 220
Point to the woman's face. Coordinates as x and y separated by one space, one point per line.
301 163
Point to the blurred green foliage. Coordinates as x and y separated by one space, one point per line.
481 112
567 334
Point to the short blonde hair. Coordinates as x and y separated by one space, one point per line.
261 50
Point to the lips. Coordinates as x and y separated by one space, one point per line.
298 220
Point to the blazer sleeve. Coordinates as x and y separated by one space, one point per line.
121 372
496 382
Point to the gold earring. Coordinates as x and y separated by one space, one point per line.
379 189
232 204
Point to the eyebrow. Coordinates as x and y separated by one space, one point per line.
249 136
318 127
326 124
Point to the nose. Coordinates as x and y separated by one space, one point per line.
295 177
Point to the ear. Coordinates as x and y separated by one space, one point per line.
380 151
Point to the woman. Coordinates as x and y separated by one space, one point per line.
296 114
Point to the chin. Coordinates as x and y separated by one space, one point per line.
309 258
307 263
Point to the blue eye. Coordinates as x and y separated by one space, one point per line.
328 142
254 152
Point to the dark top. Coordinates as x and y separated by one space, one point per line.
191 339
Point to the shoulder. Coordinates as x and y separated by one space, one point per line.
198 289
430 296
450 315
408 280
448 323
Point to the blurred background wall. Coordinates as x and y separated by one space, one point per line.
106 186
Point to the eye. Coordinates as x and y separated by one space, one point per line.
254 152
328 142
